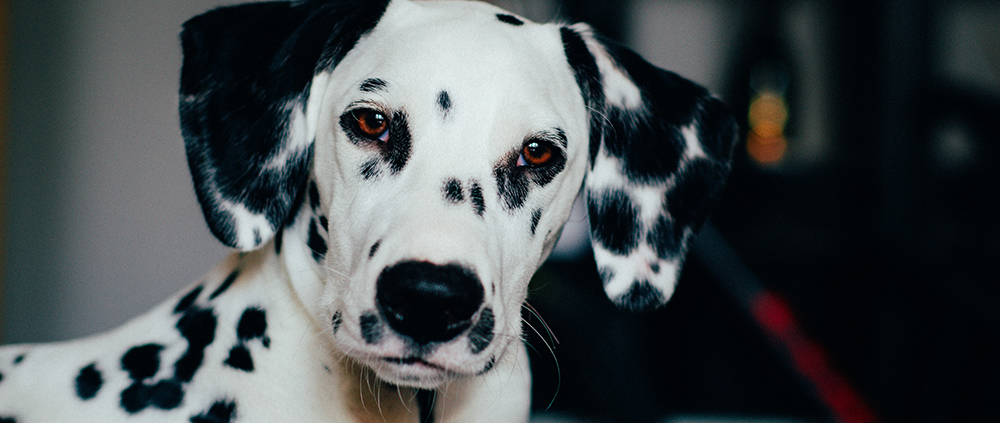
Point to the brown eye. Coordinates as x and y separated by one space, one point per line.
535 153
371 124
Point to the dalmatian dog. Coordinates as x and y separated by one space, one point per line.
391 173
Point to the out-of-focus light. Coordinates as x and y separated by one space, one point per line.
766 142
768 114
766 151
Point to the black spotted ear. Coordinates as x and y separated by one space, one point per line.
660 150
245 85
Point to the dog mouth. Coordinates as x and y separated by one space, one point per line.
413 371
413 361
425 368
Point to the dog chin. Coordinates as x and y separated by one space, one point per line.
413 372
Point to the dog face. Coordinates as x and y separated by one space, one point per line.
448 173
443 145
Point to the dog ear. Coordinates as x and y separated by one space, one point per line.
660 150
245 83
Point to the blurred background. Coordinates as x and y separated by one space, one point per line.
847 275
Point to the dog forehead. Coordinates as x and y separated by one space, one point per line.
462 45
464 74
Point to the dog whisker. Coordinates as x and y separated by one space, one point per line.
552 352
548 330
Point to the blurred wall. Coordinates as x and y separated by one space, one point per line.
102 218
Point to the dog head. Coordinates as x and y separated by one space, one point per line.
442 146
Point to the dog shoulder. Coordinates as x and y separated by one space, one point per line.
211 338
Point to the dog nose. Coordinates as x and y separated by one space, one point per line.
428 302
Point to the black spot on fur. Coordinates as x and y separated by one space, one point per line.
509 19
666 238
482 333
316 242
642 296
198 327
88 382
425 404
512 186
690 200
453 191
588 77
369 169
478 202
338 319
444 102
225 284
167 395
324 223
374 249
300 200
219 412
142 362
313 195
239 358
18 359
371 329
614 221
398 152
136 398
252 325
8 420
372 85
189 299
535 218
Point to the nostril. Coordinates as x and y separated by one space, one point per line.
428 302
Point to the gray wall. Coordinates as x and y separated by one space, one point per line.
102 219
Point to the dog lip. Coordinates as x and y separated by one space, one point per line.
411 360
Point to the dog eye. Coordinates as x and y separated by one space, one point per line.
372 124
536 153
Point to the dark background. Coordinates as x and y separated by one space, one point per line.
886 250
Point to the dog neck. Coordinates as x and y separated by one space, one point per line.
295 248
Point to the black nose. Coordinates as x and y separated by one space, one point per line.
427 302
